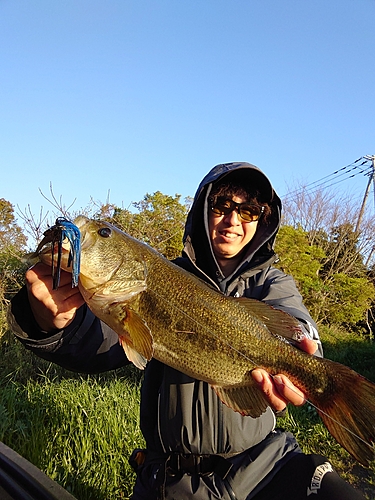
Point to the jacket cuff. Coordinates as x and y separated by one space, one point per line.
21 319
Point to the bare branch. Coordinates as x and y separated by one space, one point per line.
58 204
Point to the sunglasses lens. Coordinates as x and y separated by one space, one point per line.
250 213
247 212
222 207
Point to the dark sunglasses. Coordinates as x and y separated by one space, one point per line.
248 212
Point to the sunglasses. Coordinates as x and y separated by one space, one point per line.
248 212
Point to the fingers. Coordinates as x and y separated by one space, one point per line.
278 390
289 392
42 272
308 345
40 282
52 309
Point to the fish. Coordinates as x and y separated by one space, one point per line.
162 311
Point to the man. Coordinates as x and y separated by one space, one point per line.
196 446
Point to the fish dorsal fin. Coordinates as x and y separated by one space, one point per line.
137 340
279 323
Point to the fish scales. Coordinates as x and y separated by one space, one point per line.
239 345
160 310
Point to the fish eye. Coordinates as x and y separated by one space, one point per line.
105 232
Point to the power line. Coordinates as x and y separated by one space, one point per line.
338 176
370 180
329 178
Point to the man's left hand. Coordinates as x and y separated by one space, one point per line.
279 390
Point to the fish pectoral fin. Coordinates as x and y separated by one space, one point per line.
138 343
135 357
245 399
278 322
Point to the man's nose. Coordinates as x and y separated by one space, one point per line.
233 217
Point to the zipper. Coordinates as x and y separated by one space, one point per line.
230 491
220 434
159 429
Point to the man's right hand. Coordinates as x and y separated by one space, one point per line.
52 309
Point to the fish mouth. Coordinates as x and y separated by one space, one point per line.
60 248
66 254
81 221
49 245
45 245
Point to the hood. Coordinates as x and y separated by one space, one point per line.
196 242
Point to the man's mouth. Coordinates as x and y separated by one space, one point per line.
230 236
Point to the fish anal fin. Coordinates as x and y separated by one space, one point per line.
279 323
245 399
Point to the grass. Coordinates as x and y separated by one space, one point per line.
80 430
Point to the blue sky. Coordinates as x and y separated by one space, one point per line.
121 98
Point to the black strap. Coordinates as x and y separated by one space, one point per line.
203 465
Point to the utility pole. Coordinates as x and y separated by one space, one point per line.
371 179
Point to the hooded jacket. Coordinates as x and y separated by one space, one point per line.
178 413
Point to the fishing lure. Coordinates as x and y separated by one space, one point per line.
56 234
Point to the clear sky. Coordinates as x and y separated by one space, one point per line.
121 98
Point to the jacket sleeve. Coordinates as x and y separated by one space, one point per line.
87 345
280 291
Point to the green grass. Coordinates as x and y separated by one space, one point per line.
80 430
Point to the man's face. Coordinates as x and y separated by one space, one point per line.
229 235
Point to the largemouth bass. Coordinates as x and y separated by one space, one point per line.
160 310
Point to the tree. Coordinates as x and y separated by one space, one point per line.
10 233
341 248
299 258
331 297
303 261
348 299
329 217
342 291
12 247
159 221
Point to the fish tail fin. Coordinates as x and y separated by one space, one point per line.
349 414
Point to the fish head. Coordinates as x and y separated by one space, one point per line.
110 265
102 253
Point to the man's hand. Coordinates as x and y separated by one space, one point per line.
278 389
52 309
